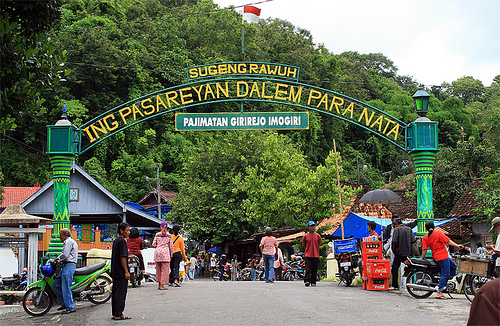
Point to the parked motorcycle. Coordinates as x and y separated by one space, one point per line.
88 283
16 282
136 274
347 256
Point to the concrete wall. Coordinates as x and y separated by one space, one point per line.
9 262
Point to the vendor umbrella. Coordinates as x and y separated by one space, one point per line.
215 249
380 196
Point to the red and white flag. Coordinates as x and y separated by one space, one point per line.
251 14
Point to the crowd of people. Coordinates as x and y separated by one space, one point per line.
173 266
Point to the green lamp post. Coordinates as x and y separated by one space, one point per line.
62 148
422 144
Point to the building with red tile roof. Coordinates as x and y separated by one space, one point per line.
17 195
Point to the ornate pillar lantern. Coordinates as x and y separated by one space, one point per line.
62 148
422 144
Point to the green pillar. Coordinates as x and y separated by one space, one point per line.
424 161
61 166
63 142
422 144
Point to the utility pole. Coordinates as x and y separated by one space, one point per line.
158 189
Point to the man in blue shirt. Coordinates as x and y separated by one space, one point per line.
63 281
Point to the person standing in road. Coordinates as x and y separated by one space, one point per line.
119 272
268 246
222 266
278 264
253 266
402 239
63 281
495 225
178 256
192 266
311 242
436 241
234 268
164 249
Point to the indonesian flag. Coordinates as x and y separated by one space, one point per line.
251 14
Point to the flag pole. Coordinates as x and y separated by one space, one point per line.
338 186
242 33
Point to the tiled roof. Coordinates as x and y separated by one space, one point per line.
17 195
290 237
466 204
166 195
455 229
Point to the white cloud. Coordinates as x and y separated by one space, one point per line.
434 41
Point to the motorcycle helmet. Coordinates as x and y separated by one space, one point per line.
48 270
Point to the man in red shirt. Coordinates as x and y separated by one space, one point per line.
311 242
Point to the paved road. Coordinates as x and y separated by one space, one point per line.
205 302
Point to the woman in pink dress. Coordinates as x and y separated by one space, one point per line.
163 252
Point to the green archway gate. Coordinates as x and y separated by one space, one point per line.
243 82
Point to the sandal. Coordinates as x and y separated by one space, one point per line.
120 318
442 297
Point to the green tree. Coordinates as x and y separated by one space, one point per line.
30 63
488 197
468 89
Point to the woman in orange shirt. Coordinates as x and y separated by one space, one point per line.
436 241
177 257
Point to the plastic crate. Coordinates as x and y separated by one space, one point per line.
374 284
378 268
371 247
347 245
365 258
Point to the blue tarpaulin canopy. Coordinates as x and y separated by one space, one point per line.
356 225
215 249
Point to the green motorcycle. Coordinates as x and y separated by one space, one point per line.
88 283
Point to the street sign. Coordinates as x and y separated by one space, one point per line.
242 121
11 242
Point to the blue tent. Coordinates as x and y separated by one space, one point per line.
356 225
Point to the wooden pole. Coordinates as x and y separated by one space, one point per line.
338 186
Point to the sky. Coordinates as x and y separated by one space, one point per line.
433 41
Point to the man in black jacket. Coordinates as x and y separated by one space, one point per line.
402 239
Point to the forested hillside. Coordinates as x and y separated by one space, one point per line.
114 51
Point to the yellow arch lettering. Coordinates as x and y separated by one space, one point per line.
394 130
279 92
95 129
212 70
208 89
293 97
198 91
313 95
389 121
239 89
337 104
186 98
92 139
193 73
365 114
253 68
255 89
150 106
324 100
135 110
124 112
114 124
378 122
171 96
350 108
224 90
158 102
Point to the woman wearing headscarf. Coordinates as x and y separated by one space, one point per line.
436 241
178 256
164 249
